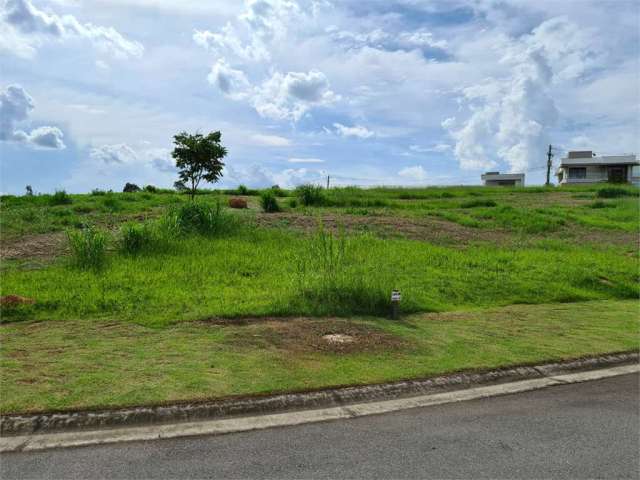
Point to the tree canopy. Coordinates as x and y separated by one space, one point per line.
198 157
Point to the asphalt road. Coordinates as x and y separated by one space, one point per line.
587 430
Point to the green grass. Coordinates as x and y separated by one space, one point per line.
93 364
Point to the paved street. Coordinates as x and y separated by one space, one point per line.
571 431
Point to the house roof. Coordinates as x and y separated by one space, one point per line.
603 160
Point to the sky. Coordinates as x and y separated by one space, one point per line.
380 92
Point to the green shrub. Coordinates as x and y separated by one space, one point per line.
479 202
97 192
612 192
194 217
88 248
268 201
310 195
293 202
151 189
60 197
131 188
242 190
278 192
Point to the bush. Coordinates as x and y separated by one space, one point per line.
200 218
151 189
88 248
480 202
293 202
612 192
131 188
60 197
268 202
278 192
242 190
310 195
97 192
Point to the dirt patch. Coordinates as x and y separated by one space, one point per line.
316 335
429 229
15 300
43 246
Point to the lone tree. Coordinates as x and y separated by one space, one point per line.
198 157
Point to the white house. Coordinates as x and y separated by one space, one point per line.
493 179
584 167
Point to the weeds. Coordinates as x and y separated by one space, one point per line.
614 192
310 195
147 237
201 218
479 202
60 197
268 201
88 248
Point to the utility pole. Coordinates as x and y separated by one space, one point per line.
328 177
549 155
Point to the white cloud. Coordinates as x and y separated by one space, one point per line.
270 140
15 107
233 83
114 154
416 172
21 17
438 148
290 96
305 160
355 131
258 176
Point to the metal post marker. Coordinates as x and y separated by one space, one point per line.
395 303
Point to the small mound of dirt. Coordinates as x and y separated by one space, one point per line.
237 203
324 335
15 300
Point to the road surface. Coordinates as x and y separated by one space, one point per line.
571 431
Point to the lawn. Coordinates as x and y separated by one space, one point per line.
175 305
56 365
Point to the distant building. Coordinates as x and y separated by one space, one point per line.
584 167
493 179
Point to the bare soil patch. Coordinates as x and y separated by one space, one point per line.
42 246
316 335
427 229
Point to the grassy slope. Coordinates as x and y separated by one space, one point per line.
79 364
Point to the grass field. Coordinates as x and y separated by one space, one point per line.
566 256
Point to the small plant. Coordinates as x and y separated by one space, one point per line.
268 201
88 248
242 190
131 188
310 195
151 189
277 191
293 202
96 192
136 238
60 197
29 191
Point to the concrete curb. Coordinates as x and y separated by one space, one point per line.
189 412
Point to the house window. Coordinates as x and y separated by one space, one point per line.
578 172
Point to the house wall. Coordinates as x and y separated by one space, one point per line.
594 174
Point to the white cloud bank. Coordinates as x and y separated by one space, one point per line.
24 27
15 107
357 131
415 173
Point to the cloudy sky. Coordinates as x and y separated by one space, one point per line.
409 92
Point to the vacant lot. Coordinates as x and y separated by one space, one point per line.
196 301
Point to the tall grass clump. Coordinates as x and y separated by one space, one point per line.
310 195
60 197
336 276
268 201
478 202
613 192
147 237
200 218
88 248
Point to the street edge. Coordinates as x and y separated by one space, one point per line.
245 424
40 423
